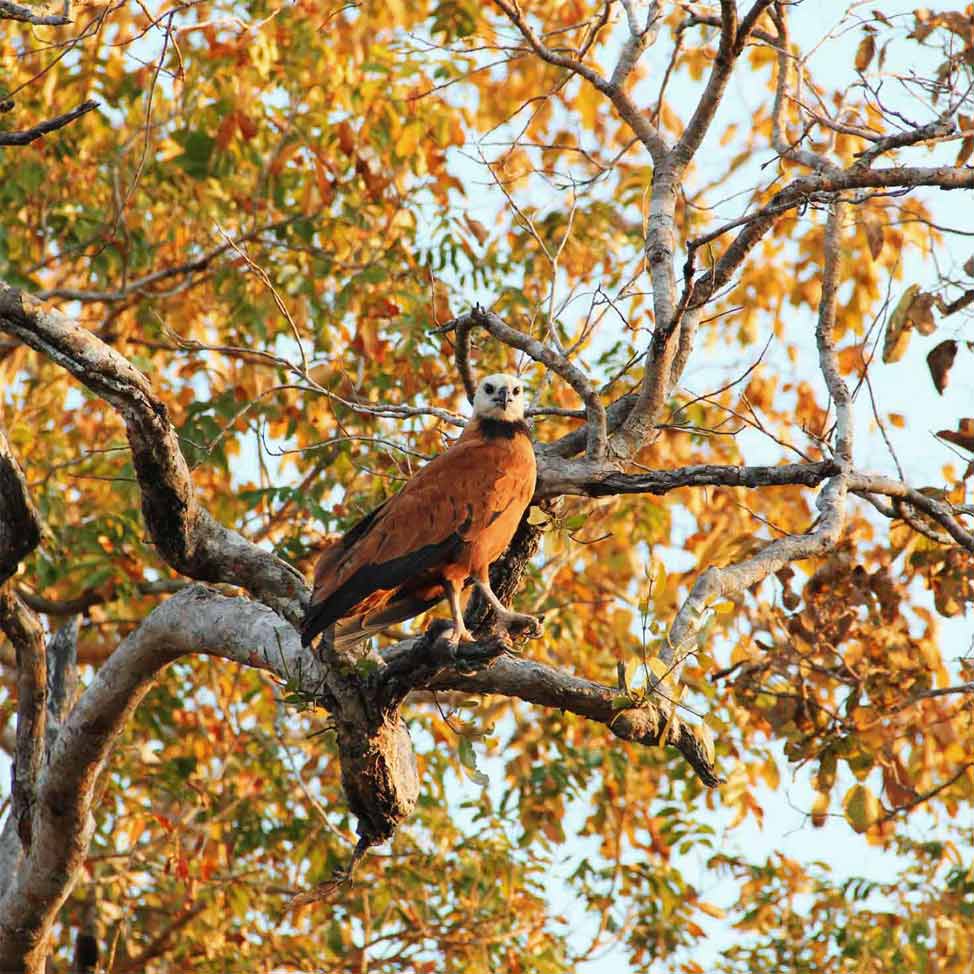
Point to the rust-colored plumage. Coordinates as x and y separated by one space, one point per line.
450 521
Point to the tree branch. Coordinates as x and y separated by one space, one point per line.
140 284
641 126
198 620
62 677
636 43
923 133
720 74
14 11
19 535
813 187
193 621
540 684
658 482
185 534
20 525
92 597
52 125
943 514
733 579
574 442
783 92
22 628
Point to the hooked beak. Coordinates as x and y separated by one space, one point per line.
503 397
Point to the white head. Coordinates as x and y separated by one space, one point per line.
500 397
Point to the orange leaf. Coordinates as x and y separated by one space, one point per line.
477 229
225 131
874 235
896 784
966 148
346 138
851 358
247 126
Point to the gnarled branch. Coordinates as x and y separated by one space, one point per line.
15 11
22 628
19 535
199 620
185 534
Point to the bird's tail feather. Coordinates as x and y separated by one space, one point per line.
352 630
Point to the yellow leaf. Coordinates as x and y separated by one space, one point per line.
820 808
408 140
712 911
861 807
660 669
703 734
668 726
865 52
897 328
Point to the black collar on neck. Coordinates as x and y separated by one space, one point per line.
502 428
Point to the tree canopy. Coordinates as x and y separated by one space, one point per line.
252 257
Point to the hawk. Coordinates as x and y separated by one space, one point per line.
447 525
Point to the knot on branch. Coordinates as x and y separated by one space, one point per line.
418 664
379 773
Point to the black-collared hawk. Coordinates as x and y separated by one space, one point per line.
451 520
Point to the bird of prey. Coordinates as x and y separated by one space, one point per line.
451 520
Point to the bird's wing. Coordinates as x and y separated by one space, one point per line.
416 531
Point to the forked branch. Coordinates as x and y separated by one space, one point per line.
716 582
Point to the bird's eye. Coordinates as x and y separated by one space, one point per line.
517 390
489 387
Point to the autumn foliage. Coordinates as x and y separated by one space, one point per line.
268 213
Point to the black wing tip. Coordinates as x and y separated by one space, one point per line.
315 622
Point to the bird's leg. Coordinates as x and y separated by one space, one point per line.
506 619
460 632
